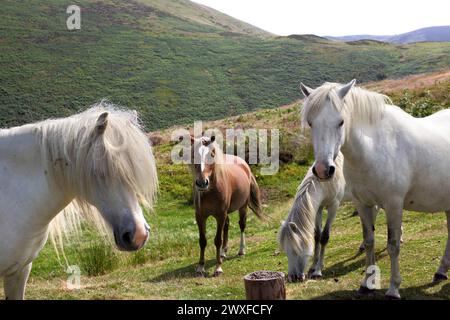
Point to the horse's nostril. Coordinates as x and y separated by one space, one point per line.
202 183
331 171
314 171
127 238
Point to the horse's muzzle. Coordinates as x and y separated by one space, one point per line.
131 240
323 172
202 184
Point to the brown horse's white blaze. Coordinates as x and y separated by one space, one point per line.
222 184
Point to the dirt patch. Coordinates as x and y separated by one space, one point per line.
413 82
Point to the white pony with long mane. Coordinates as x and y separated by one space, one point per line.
99 161
301 233
391 159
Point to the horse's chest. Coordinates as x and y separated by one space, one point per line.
364 187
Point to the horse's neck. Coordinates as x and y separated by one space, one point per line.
20 157
316 195
19 142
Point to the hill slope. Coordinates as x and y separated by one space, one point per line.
431 34
173 61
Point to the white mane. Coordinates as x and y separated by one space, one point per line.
310 194
359 106
77 158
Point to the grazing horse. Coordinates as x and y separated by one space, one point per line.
222 184
302 230
391 159
98 161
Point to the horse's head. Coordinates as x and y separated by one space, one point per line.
204 157
120 208
117 175
298 256
322 112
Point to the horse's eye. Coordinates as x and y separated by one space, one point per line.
309 124
341 123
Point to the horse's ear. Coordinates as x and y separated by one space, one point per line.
305 90
346 89
102 122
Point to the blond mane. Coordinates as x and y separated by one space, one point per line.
77 159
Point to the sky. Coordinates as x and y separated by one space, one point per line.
338 17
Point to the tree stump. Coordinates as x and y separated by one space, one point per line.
265 285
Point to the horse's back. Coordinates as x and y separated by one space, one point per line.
440 118
239 175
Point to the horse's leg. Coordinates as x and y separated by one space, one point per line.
14 285
242 225
332 210
394 223
218 241
317 235
362 246
201 223
368 217
225 238
441 274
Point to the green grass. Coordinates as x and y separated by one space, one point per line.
165 268
170 64
169 272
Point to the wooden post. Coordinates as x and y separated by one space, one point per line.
265 285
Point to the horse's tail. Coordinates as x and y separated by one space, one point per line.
255 198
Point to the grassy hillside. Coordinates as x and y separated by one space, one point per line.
165 268
173 61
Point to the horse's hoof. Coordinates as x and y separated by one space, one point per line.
296 278
439 277
217 273
200 274
364 291
392 297
315 276
241 253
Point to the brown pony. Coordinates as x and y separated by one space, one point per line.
222 184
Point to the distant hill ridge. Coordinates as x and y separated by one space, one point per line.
430 34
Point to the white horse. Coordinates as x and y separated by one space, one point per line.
96 160
302 230
391 159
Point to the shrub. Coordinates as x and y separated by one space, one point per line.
97 258
419 105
